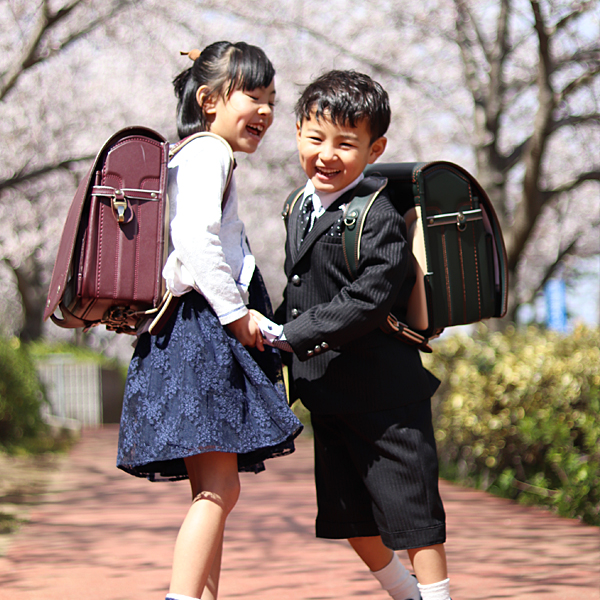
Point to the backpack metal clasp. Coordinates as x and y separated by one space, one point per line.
119 205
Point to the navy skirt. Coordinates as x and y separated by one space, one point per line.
194 388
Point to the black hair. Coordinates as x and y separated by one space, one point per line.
223 67
346 97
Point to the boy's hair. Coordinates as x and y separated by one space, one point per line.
346 97
223 67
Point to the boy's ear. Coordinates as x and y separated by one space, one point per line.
205 101
298 130
377 148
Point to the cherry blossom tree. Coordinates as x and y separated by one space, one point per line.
507 88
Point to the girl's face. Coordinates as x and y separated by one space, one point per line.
243 118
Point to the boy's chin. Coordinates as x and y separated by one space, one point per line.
327 187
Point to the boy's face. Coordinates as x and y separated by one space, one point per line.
333 156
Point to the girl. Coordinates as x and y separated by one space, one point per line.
197 403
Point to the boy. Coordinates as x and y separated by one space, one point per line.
369 395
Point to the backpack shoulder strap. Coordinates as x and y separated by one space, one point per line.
354 222
185 141
289 203
354 219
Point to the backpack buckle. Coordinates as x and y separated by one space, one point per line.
119 205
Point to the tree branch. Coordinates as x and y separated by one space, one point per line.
576 84
569 250
547 195
21 177
578 10
33 54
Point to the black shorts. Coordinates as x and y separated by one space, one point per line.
377 474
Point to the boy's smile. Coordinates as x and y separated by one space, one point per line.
334 155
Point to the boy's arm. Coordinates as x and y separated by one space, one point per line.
362 305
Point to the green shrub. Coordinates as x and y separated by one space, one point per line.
21 397
518 414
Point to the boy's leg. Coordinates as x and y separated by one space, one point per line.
386 568
372 551
429 563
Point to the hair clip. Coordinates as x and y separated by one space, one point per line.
192 54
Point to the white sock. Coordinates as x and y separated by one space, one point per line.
436 591
180 597
397 581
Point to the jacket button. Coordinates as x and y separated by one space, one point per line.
296 280
295 313
324 346
309 353
317 349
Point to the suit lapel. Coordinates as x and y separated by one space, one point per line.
322 224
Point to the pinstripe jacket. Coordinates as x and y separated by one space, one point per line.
343 362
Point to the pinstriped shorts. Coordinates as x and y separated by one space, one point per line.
377 474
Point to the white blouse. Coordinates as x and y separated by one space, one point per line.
208 247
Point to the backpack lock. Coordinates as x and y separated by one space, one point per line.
461 221
119 204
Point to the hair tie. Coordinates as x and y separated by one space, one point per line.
192 54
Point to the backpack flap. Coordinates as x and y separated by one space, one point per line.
63 266
109 263
465 254
459 254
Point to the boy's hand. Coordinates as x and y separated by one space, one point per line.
247 332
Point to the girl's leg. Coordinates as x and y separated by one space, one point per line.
215 490
211 589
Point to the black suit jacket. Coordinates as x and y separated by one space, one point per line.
343 362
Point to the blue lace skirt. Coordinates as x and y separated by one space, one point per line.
194 388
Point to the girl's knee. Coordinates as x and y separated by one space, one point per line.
224 493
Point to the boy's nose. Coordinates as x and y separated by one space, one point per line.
327 152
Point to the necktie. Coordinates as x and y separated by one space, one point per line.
306 216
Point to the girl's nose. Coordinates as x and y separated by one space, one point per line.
265 109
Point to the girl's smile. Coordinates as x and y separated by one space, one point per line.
243 117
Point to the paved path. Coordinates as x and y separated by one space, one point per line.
103 535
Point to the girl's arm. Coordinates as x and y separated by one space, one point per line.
201 177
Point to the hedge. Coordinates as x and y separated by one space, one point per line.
21 398
517 414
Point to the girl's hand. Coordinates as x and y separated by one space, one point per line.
247 332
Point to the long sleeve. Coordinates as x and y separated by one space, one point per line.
209 252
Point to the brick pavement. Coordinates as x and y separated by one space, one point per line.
103 535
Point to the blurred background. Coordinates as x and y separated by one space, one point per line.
508 89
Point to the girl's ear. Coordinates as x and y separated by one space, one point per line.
205 101
377 148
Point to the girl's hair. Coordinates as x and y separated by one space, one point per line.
223 67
